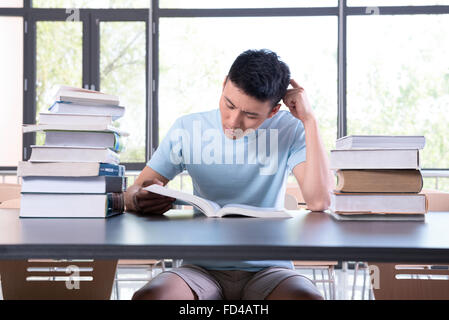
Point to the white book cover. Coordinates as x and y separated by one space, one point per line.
115 112
74 94
83 139
74 119
72 127
98 184
41 205
378 203
213 210
378 217
68 169
73 154
380 142
375 159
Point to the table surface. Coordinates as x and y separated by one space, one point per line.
182 234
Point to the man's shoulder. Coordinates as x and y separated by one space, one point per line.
198 116
285 120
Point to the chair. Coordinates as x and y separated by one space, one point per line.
410 282
149 265
57 279
413 281
292 203
9 195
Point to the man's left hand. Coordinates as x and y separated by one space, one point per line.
296 100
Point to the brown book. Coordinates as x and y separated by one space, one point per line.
379 181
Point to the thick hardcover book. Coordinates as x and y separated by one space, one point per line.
109 140
69 169
393 181
213 210
53 205
115 112
362 203
74 119
73 127
380 142
73 154
375 159
100 184
378 217
74 94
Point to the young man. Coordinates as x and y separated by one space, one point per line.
203 144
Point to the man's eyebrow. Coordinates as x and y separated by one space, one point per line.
229 101
247 112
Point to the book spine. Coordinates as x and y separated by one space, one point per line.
115 184
118 144
115 203
107 169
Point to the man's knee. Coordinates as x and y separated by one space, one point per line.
150 293
307 295
296 288
166 286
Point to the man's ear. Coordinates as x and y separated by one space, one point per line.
274 110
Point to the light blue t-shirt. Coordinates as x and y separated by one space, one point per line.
251 170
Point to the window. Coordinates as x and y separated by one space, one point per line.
11 4
390 64
398 80
59 59
246 3
192 81
364 3
91 3
122 73
102 49
11 90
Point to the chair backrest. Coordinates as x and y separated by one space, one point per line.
57 279
437 200
9 191
392 281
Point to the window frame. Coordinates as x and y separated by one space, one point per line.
152 16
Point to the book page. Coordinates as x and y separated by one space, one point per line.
252 211
207 207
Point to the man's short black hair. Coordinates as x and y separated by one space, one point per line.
261 74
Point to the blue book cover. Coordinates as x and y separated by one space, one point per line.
109 169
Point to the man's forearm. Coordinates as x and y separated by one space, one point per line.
317 176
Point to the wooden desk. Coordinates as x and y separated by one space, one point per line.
180 234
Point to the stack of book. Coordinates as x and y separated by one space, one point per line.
76 173
378 178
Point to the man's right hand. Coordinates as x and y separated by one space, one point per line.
151 203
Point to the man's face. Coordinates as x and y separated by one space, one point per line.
240 112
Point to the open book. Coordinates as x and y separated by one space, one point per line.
213 210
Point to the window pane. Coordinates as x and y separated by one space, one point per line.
59 59
11 4
192 81
123 73
246 3
11 90
398 80
364 3
91 3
